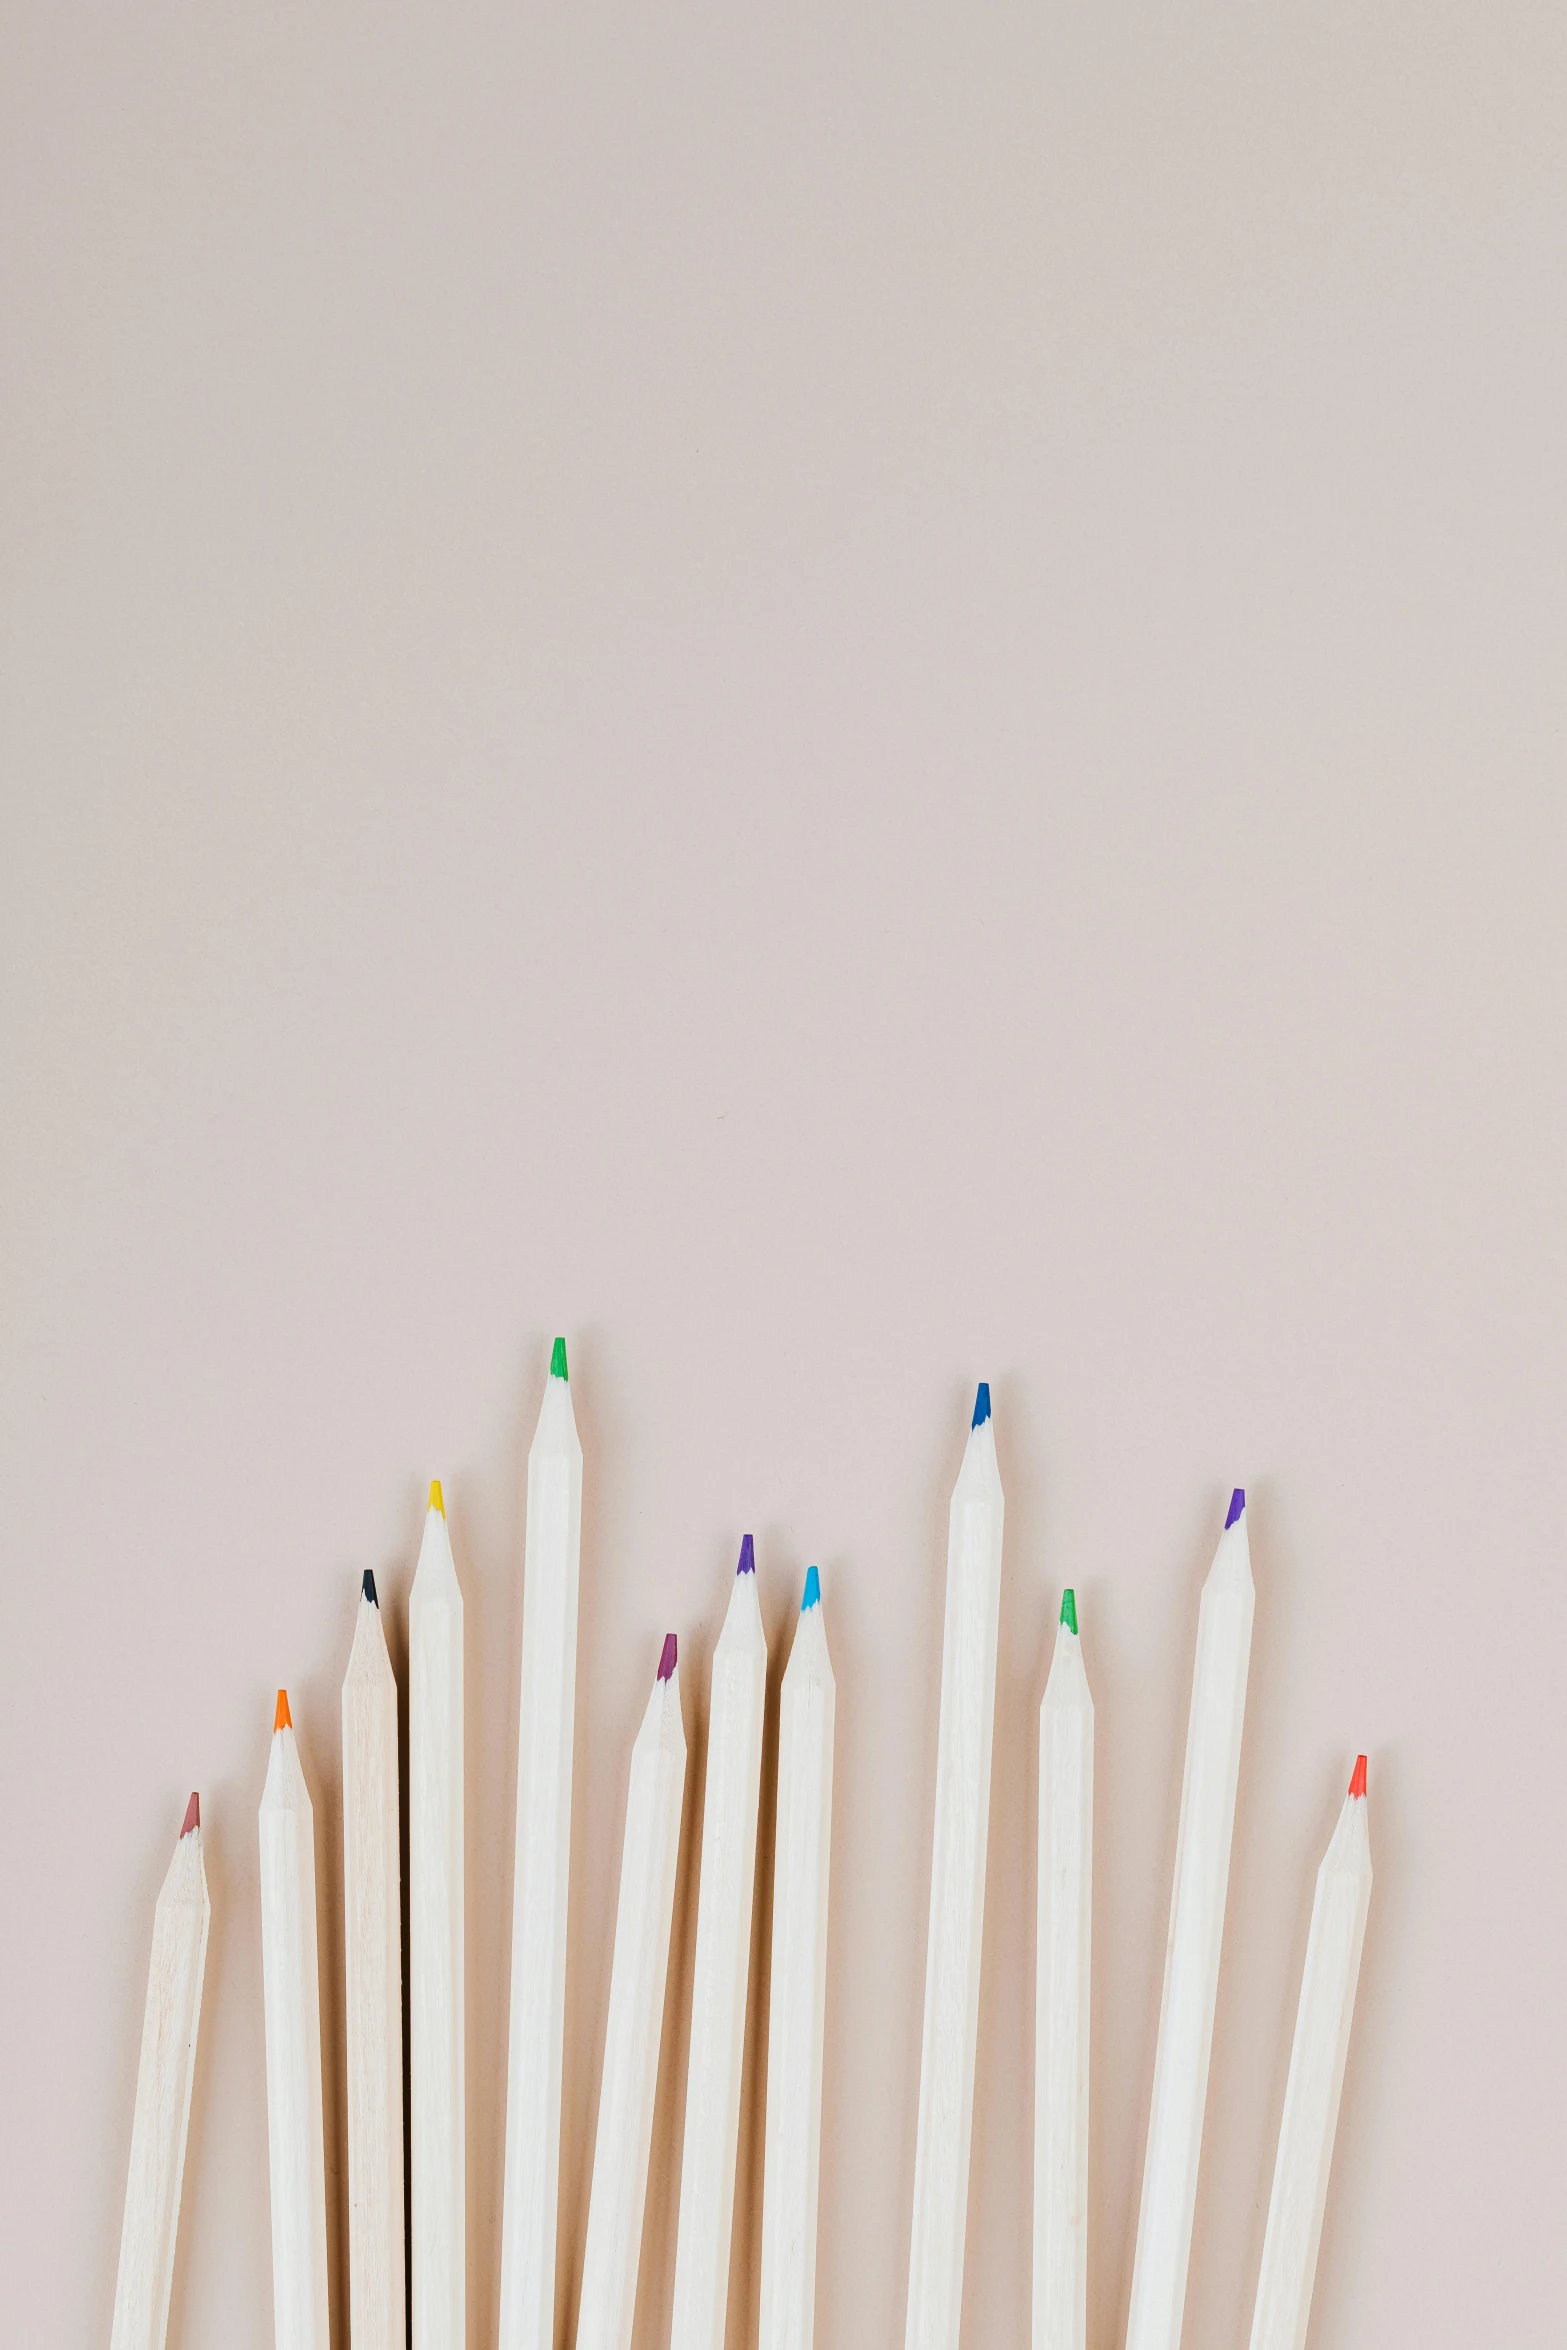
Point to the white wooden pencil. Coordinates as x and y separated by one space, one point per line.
798 2010
435 1942
721 1969
1061 1984
1191 1966
291 1990
1316 2077
546 1716
373 1980
163 2082
618 2195
957 1893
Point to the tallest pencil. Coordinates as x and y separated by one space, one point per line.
546 1717
957 1892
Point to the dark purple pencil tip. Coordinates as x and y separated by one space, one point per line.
367 1589
747 1564
666 1663
1237 1504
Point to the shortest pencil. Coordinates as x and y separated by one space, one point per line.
163 2079
1316 2076
636 2015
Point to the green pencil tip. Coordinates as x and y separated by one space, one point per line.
558 1360
1069 1610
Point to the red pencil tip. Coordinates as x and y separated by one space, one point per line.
1357 1785
282 1719
192 1815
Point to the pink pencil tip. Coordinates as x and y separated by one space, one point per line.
192 1815
666 1663
1357 1785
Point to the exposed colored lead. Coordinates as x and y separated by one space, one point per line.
367 1589
437 1498
282 1719
1237 1504
666 1663
1069 1610
192 1815
1357 1785
981 1405
813 1590
747 1564
558 1359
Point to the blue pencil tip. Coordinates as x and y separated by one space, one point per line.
1237 1504
981 1405
747 1564
813 1590
367 1589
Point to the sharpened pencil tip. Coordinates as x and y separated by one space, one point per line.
192 1815
282 1719
813 1590
558 1359
1237 1504
747 1564
367 1589
1069 1610
437 1498
981 1405
1357 1785
670 1657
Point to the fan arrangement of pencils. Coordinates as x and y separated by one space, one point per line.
394 2285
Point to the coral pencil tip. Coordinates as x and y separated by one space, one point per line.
1069 1610
670 1657
367 1589
192 1815
813 1590
1357 1785
747 1564
981 1405
1237 1505
437 1498
282 1719
558 1359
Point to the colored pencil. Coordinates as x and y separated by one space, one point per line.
163 2080
546 1715
1061 1984
435 1941
722 1965
1191 1966
798 2011
957 1893
373 1978
618 2196
1316 2076
291 1990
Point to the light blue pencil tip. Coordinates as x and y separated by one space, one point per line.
813 1590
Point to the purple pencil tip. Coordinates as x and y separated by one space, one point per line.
666 1663
747 1564
1237 1504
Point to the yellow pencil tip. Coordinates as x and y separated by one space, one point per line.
436 1503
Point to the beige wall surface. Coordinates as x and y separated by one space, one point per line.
842 706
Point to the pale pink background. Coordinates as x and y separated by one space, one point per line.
841 707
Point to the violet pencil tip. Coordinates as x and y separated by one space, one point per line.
667 1662
747 1564
1237 1505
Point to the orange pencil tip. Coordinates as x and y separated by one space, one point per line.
436 1502
1357 1785
282 1719
192 1815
